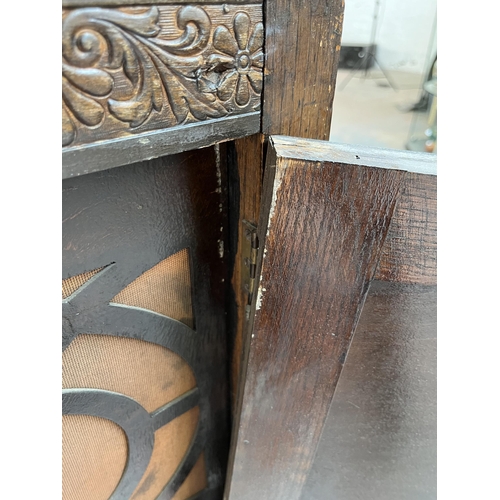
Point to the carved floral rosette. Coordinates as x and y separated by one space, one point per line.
136 69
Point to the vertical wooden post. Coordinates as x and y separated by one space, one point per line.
302 48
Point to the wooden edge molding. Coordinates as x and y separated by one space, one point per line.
314 150
103 155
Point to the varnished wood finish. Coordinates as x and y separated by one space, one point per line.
103 155
302 53
321 230
379 439
410 251
245 167
130 70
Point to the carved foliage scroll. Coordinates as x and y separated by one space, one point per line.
135 69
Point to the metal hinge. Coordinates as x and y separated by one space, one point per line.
249 259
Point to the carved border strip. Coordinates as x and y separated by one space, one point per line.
117 3
131 70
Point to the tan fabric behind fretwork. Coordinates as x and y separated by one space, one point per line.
171 443
146 372
93 459
165 289
72 284
151 374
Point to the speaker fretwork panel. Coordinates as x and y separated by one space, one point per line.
164 289
144 326
72 284
95 449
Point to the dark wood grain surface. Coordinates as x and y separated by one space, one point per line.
245 172
321 230
302 51
379 440
409 254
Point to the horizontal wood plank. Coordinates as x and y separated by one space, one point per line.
314 150
102 155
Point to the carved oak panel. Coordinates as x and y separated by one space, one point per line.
130 70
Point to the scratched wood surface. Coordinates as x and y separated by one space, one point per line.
133 69
410 251
409 254
302 52
321 230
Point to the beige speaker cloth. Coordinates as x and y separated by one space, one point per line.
165 289
94 456
71 285
171 444
152 375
